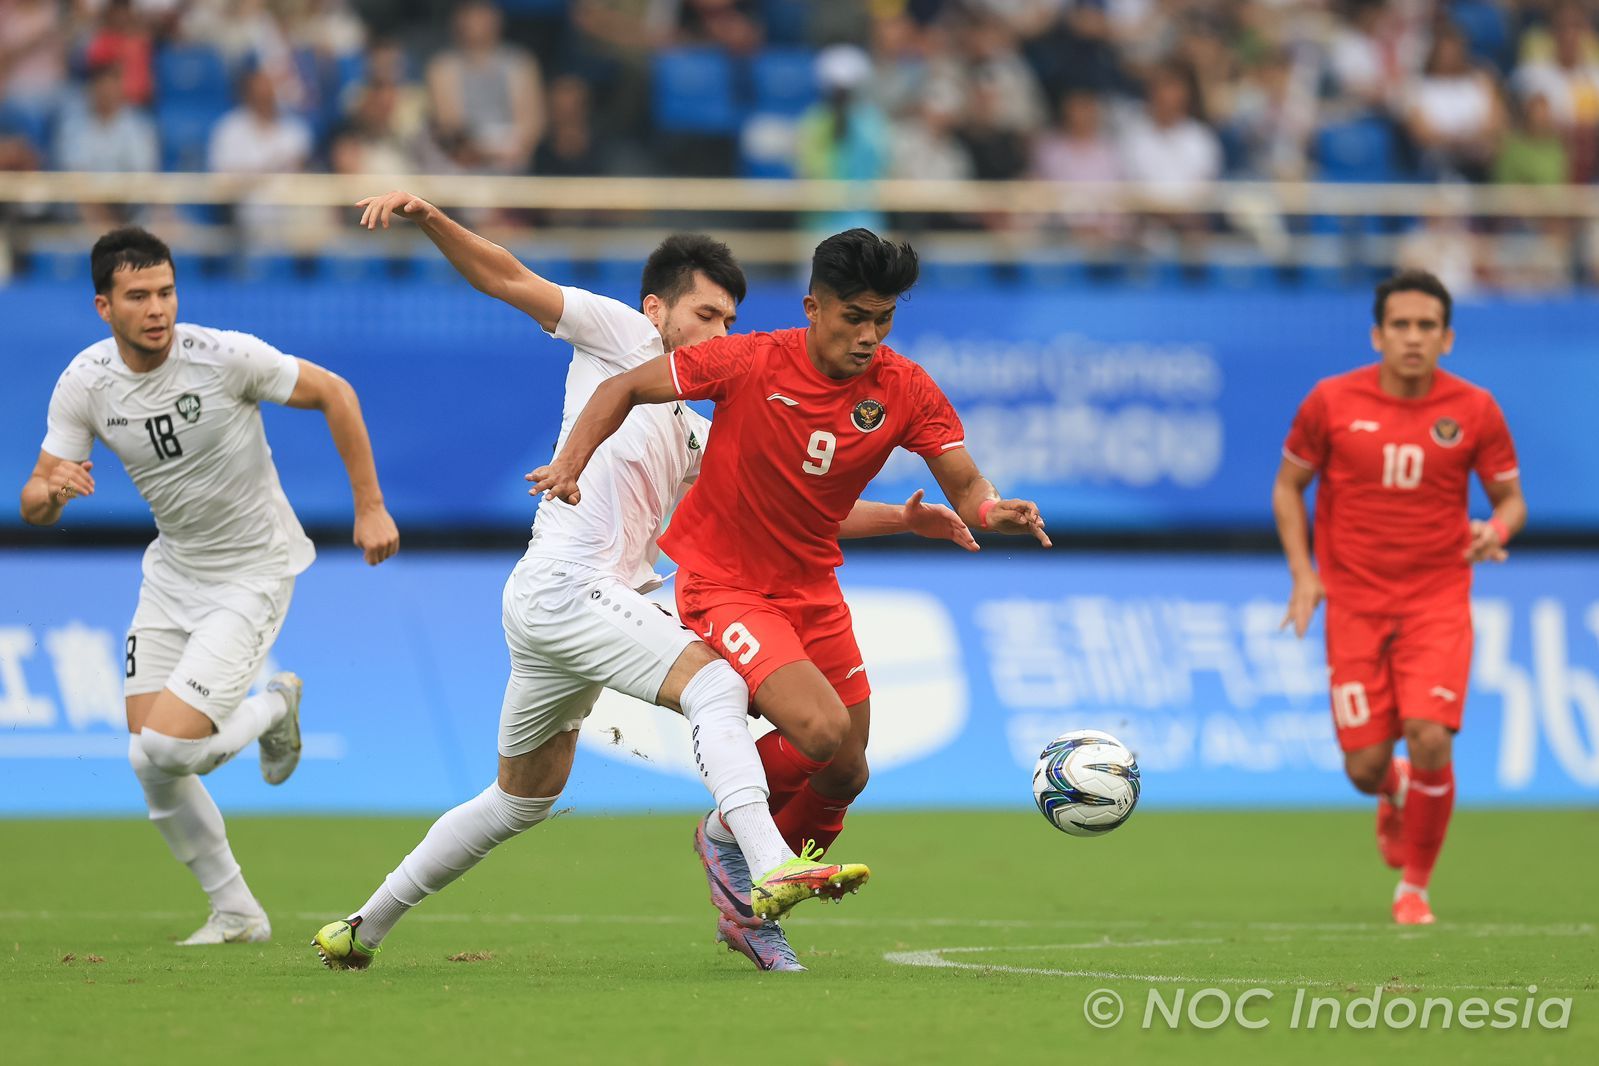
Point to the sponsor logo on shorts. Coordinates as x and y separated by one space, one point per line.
1447 432
854 671
201 689
1443 693
188 406
868 415
112 423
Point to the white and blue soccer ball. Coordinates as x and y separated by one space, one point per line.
1086 783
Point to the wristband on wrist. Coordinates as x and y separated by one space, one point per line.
982 511
1502 530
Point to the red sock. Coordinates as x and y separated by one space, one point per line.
811 816
786 768
1427 808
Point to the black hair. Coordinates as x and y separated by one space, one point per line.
130 248
1412 281
858 260
669 271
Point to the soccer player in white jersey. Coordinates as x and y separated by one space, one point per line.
180 406
575 616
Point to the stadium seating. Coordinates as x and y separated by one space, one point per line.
191 73
695 92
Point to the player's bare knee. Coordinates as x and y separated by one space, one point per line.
844 778
542 771
1429 744
820 735
1367 767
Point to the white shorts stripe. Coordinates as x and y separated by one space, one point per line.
1506 475
953 444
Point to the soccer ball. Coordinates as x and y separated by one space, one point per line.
1086 782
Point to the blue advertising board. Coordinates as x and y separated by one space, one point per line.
975 662
1148 411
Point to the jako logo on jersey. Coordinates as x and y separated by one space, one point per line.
1362 424
1446 431
867 416
112 423
189 407
201 689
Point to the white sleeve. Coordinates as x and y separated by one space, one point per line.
256 370
607 329
69 432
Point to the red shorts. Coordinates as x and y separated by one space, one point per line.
758 633
1386 668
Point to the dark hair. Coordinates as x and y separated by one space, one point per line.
858 260
669 271
130 248
1412 281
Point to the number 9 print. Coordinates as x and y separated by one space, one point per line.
740 643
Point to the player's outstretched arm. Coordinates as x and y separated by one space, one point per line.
931 520
977 501
489 268
1293 529
53 482
322 390
605 412
1488 538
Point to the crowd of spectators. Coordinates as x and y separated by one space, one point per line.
1173 94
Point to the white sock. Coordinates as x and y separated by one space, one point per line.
1406 887
456 843
178 755
763 846
716 704
187 817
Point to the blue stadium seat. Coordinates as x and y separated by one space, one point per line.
32 123
1360 150
694 92
1486 28
784 80
787 21
194 72
185 129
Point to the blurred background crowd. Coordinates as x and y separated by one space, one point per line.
1172 94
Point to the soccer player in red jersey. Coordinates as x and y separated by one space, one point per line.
1394 445
805 418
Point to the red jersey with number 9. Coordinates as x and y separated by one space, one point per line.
790 452
1391 510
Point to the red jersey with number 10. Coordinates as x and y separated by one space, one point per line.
790 452
1391 510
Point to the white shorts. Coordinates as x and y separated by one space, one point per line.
204 641
573 631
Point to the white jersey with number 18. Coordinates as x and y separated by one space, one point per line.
189 433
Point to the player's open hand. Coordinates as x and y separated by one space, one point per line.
376 534
68 481
1302 603
555 482
377 210
936 522
1485 545
1018 518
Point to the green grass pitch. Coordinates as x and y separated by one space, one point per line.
590 941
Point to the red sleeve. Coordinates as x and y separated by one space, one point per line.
1496 452
1307 437
713 369
936 427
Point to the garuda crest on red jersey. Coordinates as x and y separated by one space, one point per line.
868 415
1446 432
